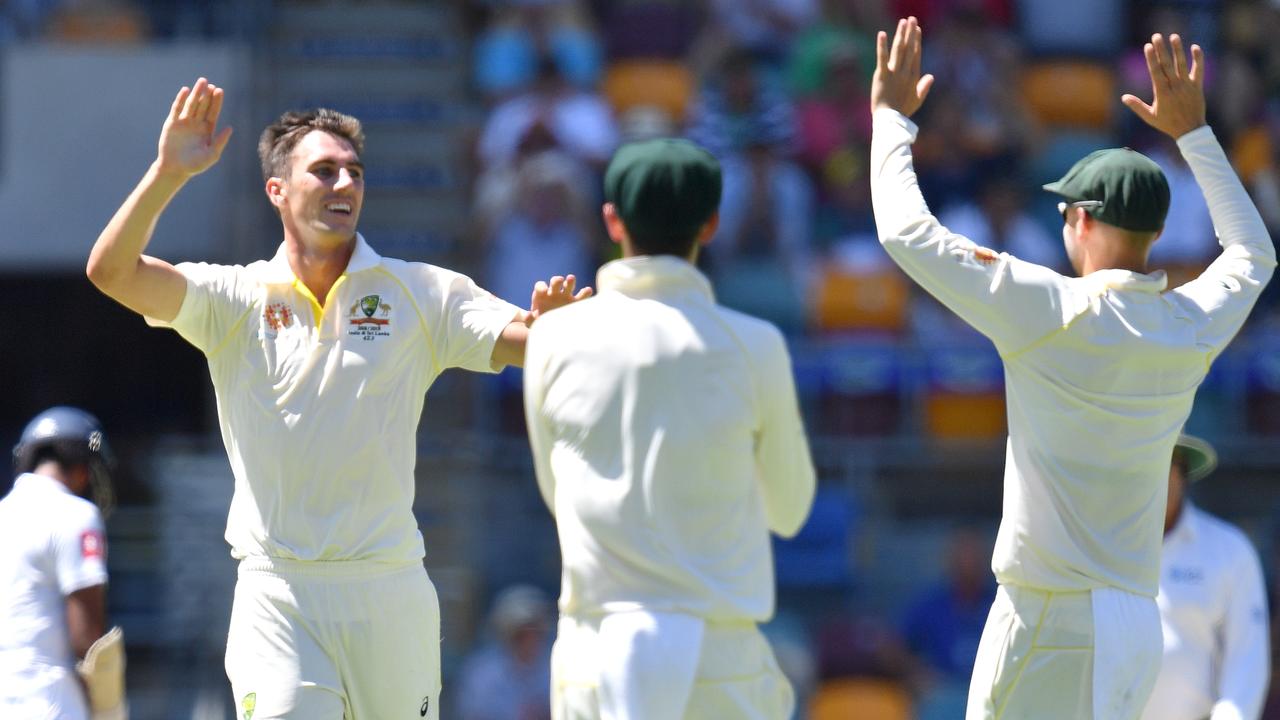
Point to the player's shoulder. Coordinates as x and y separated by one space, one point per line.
422 277
756 332
1224 534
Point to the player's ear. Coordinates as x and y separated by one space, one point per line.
613 223
275 191
709 228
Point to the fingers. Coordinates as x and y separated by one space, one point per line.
1197 66
215 105
193 99
914 47
895 54
1179 57
584 293
1139 108
923 86
882 52
179 101
1163 60
220 142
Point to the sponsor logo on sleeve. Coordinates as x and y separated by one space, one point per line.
247 705
369 318
425 707
92 545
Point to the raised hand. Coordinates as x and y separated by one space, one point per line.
897 83
558 293
188 145
1177 105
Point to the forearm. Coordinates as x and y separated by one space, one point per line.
1235 218
117 254
509 349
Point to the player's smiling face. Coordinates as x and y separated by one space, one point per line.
322 196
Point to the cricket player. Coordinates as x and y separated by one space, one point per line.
1213 607
1100 374
53 574
668 444
320 358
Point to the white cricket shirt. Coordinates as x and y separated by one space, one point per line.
1100 371
51 545
1213 612
319 408
667 441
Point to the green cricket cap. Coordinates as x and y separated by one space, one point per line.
663 188
1199 455
1131 186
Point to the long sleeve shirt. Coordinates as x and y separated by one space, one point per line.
1100 370
668 443
1213 613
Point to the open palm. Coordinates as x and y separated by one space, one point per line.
188 143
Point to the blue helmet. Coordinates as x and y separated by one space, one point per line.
72 437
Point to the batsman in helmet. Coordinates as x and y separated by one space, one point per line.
55 658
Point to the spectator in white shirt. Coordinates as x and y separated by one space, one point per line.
1213 607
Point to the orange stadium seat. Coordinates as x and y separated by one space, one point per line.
860 698
1070 93
654 83
856 299
100 22
964 399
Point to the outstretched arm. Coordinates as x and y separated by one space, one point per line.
188 146
509 350
1012 302
1221 298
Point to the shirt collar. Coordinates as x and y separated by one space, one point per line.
1188 525
278 270
34 480
1100 281
649 275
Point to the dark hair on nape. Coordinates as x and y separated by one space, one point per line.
677 242
278 140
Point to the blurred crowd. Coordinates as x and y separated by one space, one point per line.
777 89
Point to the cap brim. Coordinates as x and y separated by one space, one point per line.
1054 187
1200 455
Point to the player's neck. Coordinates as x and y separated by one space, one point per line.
318 265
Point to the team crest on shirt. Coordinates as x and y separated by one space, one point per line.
277 315
247 705
92 545
369 318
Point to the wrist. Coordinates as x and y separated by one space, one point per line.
164 173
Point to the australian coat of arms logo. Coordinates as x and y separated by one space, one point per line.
369 318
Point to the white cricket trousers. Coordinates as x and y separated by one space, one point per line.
334 641
1091 655
677 668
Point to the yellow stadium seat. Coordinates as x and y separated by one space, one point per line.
860 699
1070 93
649 83
965 416
849 299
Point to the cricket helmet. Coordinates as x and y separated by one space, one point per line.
77 439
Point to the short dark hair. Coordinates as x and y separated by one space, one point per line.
282 136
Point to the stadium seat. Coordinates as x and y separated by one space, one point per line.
860 698
100 22
1070 93
964 398
663 84
862 389
856 299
